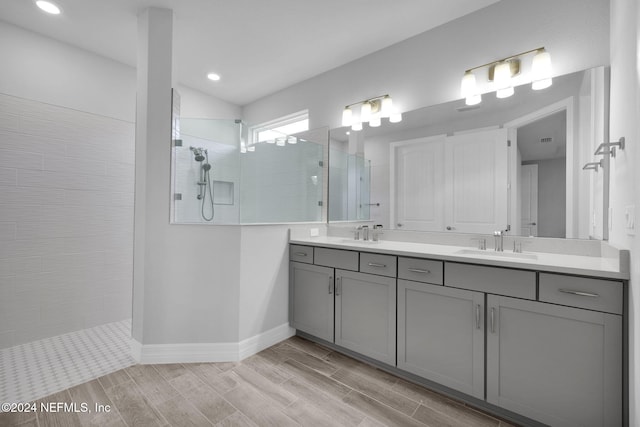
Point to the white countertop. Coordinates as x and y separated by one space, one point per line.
552 262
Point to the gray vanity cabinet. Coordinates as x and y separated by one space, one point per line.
365 314
555 364
441 335
311 299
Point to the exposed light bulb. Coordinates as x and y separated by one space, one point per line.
541 70
386 107
502 79
347 116
213 77
49 7
356 126
365 112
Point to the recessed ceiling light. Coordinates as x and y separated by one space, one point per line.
213 76
49 7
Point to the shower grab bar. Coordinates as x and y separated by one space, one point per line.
600 151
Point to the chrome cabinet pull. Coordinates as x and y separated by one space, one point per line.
419 270
477 316
330 284
338 286
580 293
493 320
375 264
300 254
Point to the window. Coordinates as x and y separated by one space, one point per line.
287 125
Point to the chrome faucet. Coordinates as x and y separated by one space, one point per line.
499 240
375 233
356 233
365 232
517 247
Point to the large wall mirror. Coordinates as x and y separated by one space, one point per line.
506 164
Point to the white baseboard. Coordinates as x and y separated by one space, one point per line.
209 352
257 343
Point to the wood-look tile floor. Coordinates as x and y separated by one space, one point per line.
293 383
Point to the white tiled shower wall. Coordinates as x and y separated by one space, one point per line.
66 220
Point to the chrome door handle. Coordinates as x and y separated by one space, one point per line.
419 270
338 286
493 320
532 223
330 284
375 264
300 254
580 293
477 316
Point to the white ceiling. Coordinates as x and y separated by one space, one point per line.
257 46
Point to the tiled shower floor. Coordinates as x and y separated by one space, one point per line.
39 368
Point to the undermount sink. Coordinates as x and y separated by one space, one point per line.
495 254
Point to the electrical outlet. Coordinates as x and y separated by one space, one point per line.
630 219
314 232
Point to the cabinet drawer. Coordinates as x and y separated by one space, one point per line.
301 253
420 270
592 294
382 265
337 258
492 280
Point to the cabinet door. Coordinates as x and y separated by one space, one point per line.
558 365
441 335
366 314
311 299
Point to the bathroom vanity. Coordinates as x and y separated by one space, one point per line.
528 336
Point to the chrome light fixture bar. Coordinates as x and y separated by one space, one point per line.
371 111
501 73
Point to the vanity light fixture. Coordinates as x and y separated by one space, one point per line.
372 111
213 77
502 71
49 7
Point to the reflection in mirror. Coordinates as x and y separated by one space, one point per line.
214 182
506 164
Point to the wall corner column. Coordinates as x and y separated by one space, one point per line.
152 151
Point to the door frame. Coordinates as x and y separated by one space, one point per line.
567 105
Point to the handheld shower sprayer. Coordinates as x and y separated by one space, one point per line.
204 183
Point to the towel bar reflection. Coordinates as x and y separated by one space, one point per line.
601 150
593 165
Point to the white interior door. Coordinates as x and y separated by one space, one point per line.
529 191
419 185
476 177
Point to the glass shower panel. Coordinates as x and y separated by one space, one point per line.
206 173
349 187
282 181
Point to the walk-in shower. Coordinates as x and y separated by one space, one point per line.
205 187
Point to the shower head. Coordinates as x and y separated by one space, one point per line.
206 167
198 153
